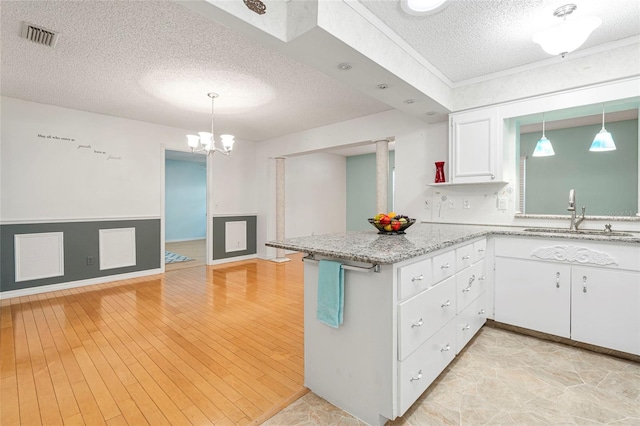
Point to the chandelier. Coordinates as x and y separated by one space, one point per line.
205 141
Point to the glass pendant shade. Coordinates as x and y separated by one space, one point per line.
192 141
543 148
227 142
603 140
206 139
566 36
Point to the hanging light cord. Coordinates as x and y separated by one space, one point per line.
543 125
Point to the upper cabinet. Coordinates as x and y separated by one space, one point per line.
475 147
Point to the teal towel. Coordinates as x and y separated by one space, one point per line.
330 293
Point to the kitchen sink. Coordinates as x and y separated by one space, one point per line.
579 231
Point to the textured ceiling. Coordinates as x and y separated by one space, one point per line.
156 61
473 38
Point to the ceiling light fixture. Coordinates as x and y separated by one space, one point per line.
422 7
409 101
543 147
431 113
603 140
569 34
345 66
205 141
256 6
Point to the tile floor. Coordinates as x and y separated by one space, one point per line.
507 378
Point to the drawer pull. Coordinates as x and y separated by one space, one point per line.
445 304
417 324
471 280
481 278
481 250
466 327
420 278
584 283
481 312
557 279
445 266
467 257
418 377
446 348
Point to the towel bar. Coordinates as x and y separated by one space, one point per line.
374 268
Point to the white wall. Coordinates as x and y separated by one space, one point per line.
315 194
48 179
418 146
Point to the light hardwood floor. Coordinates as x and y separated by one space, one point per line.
195 249
206 345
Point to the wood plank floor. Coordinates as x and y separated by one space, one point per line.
208 345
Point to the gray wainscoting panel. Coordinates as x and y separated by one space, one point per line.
81 240
219 226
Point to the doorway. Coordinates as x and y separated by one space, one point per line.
185 210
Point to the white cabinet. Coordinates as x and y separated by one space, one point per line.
583 290
534 295
475 147
605 308
414 278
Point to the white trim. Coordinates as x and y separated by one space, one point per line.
70 220
74 284
234 259
58 260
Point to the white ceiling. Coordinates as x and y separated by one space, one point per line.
155 61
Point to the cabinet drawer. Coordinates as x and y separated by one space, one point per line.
424 314
469 321
469 284
419 370
464 257
479 249
444 265
414 278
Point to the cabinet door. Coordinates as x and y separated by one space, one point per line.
605 308
474 148
533 295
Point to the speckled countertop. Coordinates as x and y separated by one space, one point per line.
420 239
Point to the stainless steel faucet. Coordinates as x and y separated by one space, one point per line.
575 222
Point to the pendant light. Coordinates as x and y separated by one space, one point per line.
205 141
603 140
543 147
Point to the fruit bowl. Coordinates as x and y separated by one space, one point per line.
381 227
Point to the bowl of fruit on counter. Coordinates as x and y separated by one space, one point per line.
391 223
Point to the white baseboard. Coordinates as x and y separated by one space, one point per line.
73 284
233 259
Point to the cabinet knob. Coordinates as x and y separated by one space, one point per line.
466 327
584 283
557 279
480 250
418 377
446 348
481 312
467 257
418 278
417 324
493 177
445 266
482 278
445 304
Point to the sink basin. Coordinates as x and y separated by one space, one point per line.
579 232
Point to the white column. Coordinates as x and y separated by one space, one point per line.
280 205
382 175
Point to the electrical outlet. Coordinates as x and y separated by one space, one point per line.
89 260
502 203
466 204
452 204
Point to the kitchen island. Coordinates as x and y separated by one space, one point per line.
411 303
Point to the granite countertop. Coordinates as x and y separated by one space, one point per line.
420 239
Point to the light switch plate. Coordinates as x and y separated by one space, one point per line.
502 203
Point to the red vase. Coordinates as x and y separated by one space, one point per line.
439 171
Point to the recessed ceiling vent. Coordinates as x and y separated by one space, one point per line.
39 35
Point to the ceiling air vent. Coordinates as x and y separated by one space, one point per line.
39 35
